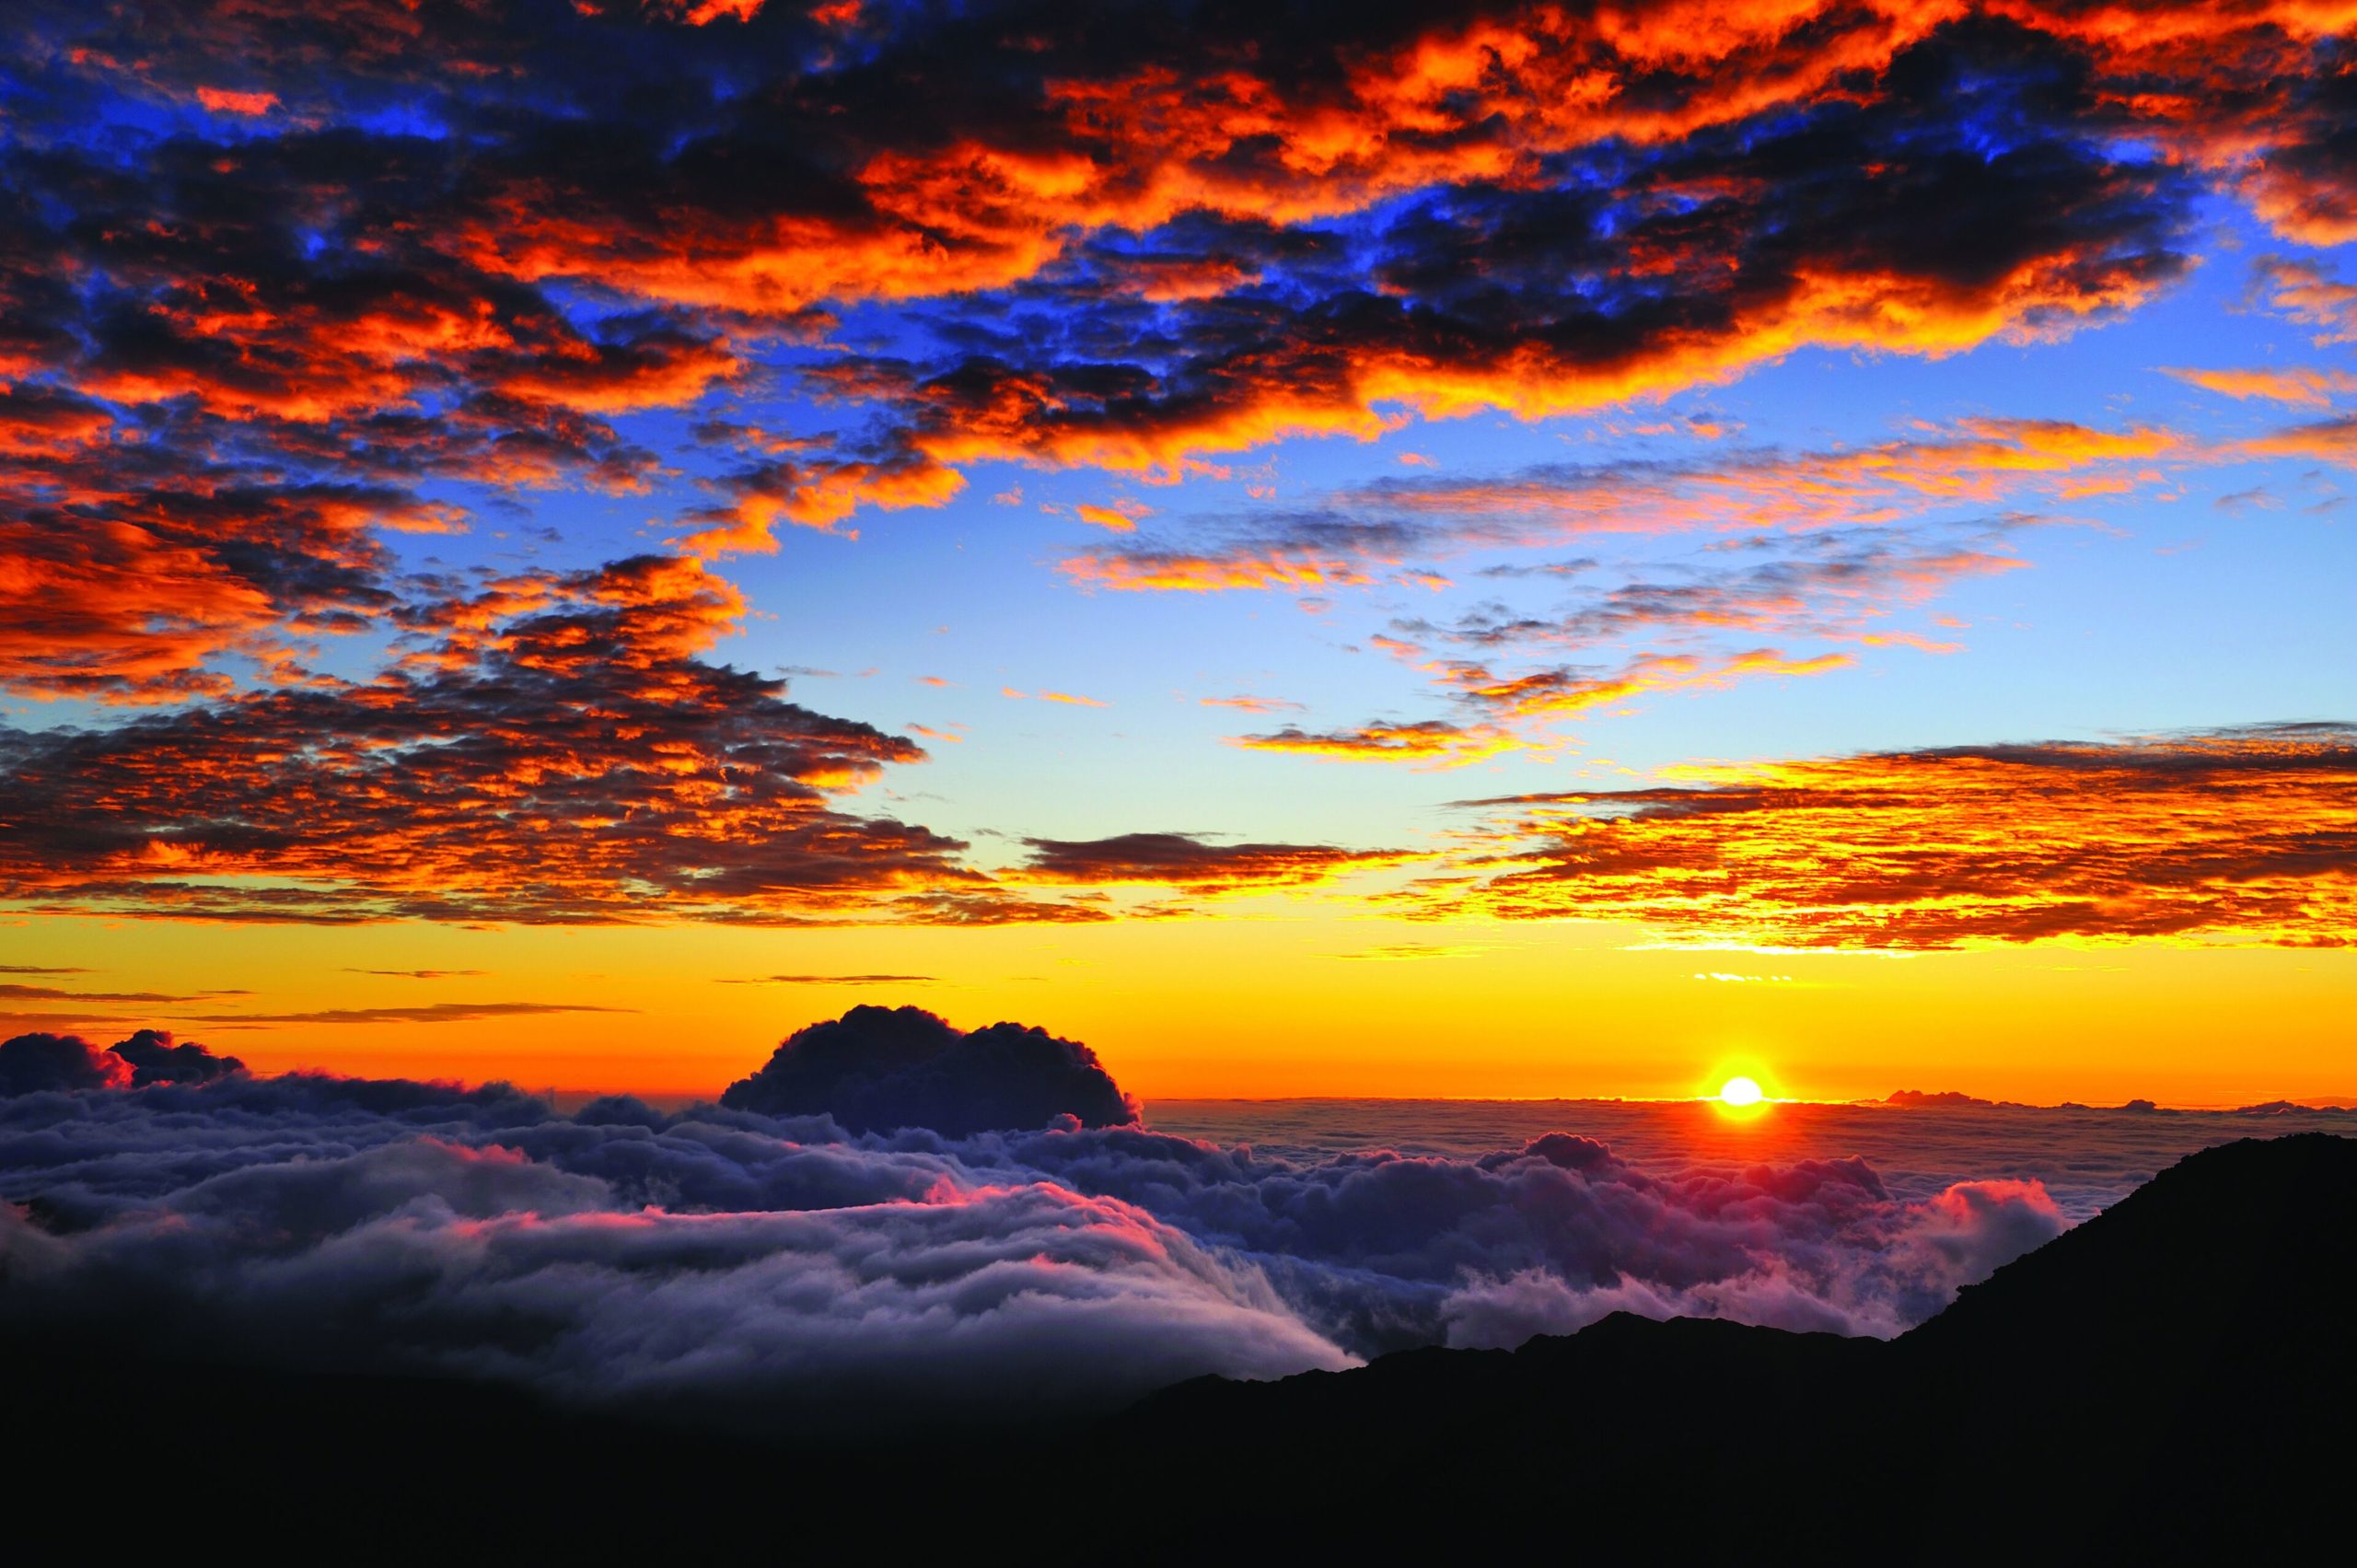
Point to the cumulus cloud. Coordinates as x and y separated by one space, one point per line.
784 1272
36 1063
157 1058
31 1063
878 1068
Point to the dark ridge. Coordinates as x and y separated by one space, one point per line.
2172 1380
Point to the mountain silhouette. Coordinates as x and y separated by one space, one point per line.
2171 1380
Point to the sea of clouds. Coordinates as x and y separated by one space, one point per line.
781 1270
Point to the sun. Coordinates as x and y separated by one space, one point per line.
1741 1092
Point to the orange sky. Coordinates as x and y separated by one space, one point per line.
1262 1004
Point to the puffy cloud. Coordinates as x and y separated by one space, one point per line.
157 1058
982 1304
2246 835
1922 1253
36 1063
776 1271
877 1068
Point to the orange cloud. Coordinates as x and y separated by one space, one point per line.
1250 705
2241 836
1988 462
2306 293
1120 520
820 495
1432 743
2310 389
556 751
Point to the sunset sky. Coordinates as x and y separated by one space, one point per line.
1502 551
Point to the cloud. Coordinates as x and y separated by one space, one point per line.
1854 493
1065 698
718 1264
1250 705
11 992
38 1063
833 979
278 283
2234 836
421 974
966 1304
2306 388
157 1058
552 748
1966 1232
32 1064
1835 546
459 251
880 1069
430 1012
1187 861
1425 742
2307 291
1505 708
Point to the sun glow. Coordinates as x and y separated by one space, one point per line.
1741 1097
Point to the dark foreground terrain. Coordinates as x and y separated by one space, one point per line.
2173 1379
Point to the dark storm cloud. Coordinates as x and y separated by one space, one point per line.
877 1069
